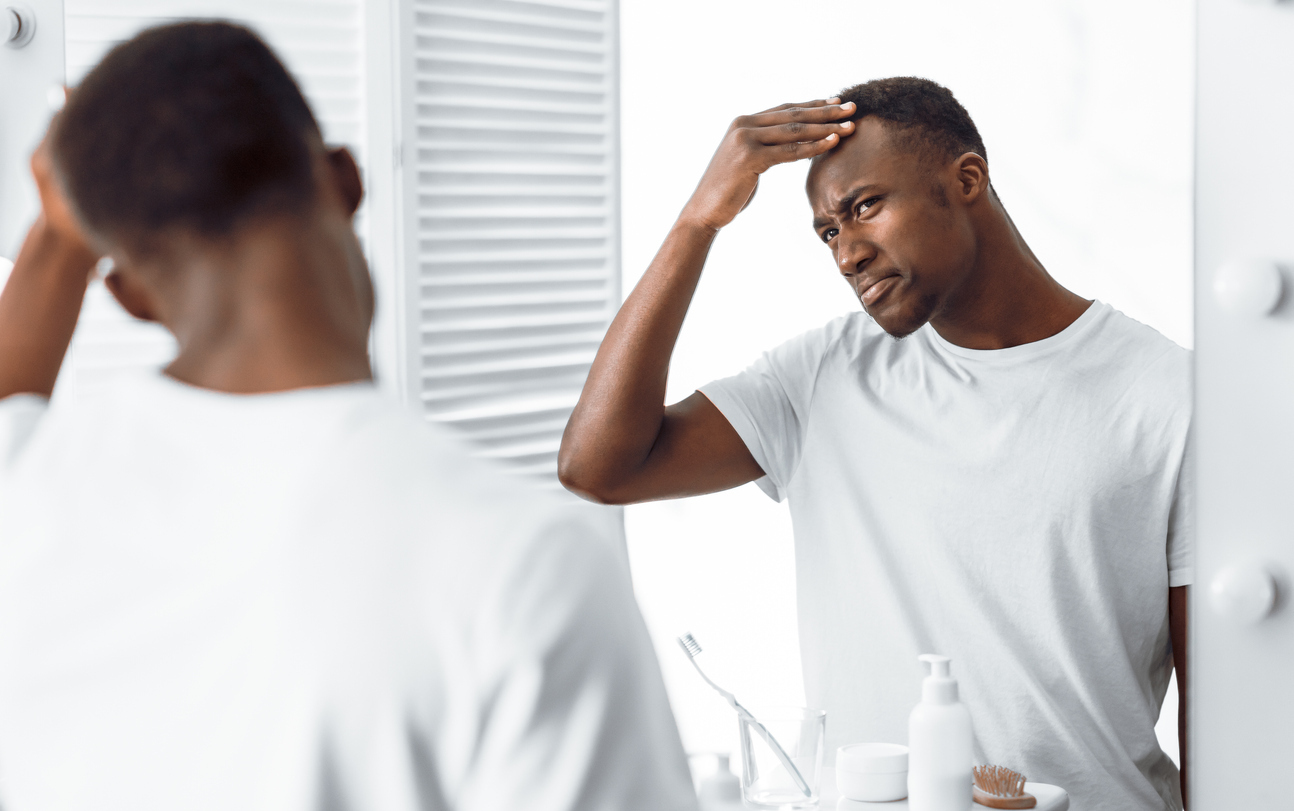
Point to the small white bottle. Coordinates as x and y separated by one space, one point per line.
939 737
721 789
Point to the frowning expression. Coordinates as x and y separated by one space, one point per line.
897 238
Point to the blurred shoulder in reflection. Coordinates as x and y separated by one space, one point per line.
251 581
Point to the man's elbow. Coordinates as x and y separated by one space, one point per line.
586 481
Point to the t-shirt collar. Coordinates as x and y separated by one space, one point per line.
1094 312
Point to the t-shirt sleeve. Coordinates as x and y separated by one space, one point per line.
19 416
768 404
577 716
1181 521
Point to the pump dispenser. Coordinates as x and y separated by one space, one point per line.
939 737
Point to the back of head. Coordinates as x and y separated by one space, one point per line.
192 127
924 116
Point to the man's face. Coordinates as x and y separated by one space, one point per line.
899 241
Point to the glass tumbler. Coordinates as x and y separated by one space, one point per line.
765 782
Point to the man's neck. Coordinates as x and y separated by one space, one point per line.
251 364
1008 299
277 310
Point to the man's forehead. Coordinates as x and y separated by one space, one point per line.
867 156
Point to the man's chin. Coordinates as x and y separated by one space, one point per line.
898 324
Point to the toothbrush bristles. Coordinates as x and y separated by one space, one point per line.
690 645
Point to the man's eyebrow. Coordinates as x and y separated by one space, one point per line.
846 203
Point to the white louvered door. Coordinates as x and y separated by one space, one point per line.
320 41
511 168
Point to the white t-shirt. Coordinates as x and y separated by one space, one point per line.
307 600
1022 510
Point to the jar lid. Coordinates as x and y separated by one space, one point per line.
872 758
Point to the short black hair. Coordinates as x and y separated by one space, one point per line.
924 116
195 126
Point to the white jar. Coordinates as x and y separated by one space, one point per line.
872 772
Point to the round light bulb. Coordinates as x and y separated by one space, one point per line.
1248 288
1244 594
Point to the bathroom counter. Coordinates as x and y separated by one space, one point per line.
1050 798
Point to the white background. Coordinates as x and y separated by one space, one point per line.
1085 110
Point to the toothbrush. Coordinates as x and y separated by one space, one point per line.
693 649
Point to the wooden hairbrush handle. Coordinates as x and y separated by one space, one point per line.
994 801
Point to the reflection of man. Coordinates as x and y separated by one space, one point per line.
1006 485
251 583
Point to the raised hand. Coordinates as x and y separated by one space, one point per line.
755 143
56 214
622 444
42 299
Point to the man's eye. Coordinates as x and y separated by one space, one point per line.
868 203
829 234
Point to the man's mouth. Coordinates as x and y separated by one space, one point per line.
873 292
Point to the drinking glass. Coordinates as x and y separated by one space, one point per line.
765 782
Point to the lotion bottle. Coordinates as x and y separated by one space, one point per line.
721 788
939 737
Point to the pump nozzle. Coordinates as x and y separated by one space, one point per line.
936 665
939 686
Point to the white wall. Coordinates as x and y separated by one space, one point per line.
1085 109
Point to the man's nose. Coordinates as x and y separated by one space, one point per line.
853 255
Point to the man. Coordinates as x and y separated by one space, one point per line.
250 582
1003 480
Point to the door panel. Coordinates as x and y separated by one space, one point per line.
1243 628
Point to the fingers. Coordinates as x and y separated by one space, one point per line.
55 208
808 115
787 153
41 161
796 131
790 132
814 103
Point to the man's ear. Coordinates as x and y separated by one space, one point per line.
131 293
346 175
972 177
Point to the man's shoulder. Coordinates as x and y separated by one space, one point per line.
1144 350
1144 337
844 337
429 476
395 451
1135 363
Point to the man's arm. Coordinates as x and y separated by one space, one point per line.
42 300
1178 620
622 444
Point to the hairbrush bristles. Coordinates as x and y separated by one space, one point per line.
999 780
1000 787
